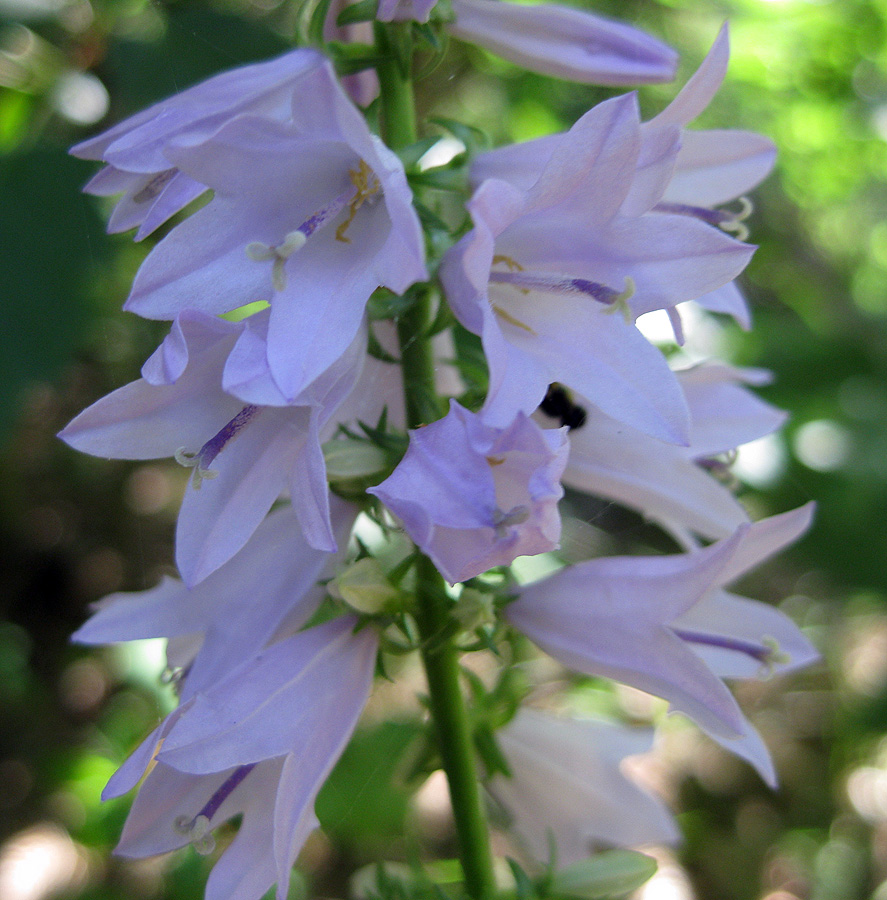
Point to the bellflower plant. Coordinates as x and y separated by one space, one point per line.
381 376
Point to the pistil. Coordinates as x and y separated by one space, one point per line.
766 652
365 187
724 219
198 828
201 460
502 521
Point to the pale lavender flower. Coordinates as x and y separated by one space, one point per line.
260 741
711 168
153 188
311 215
245 449
568 782
663 624
229 748
551 39
552 277
216 625
473 496
672 484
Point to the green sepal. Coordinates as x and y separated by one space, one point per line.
411 154
604 876
474 139
385 304
430 220
425 33
443 319
351 58
450 177
362 11
488 750
317 21
375 349
524 888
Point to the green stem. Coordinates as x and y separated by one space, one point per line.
454 733
440 657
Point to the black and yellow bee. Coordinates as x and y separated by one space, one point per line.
559 405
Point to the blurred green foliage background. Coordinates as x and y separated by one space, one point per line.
812 74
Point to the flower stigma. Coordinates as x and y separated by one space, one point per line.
766 652
364 187
198 828
502 521
202 459
517 276
731 222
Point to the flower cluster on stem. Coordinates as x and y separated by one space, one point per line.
340 352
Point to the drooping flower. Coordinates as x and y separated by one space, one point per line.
711 167
552 39
153 188
567 782
552 277
473 496
311 215
260 742
246 448
224 620
663 624
671 484
265 707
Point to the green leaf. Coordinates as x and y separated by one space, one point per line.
363 801
614 873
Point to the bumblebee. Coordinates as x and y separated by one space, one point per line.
559 405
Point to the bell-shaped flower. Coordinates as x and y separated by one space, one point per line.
260 741
567 782
669 484
311 215
244 454
663 624
173 810
134 150
473 496
551 278
226 617
552 39
710 168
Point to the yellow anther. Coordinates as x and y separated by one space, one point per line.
367 186
513 264
503 314
495 460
